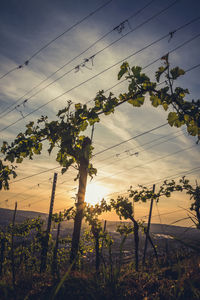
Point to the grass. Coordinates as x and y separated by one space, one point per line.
177 277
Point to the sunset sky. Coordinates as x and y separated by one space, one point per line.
27 26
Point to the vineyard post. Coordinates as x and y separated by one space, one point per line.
46 238
102 245
55 263
136 240
80 205
148 226
12 246
3 242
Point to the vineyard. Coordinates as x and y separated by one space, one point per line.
119 215
35 261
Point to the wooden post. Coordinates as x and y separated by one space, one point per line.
80 205
54 262
148 227
46 238
136 240
12 246
104 229
3 243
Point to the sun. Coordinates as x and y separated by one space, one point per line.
94 193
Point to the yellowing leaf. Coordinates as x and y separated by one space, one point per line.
155 101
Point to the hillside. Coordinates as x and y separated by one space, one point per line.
6 216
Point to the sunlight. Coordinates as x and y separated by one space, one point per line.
94 193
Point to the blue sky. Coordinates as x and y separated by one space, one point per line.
26 26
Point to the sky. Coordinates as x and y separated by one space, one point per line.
27 26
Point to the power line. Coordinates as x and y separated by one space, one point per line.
140 151
27 198
105 70
158 59
98 153
193 170
30 188
168 155
132 138
163 214
154 145
147 143
68 62
174 176
116 145
154 160
185 173
54 39
43 199
32 175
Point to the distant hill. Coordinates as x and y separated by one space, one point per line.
6 216
158 231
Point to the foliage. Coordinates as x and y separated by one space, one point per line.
91 214
166 189
5 173
65 215
177 280
124 209
65 133
194 193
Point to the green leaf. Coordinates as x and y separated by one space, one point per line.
132 86
193 129
19 160
139 101
136 71
176 72
78 106
160 71
155 101
172 118
124 69
29 125
165 106
186 118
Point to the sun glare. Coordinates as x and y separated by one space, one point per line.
94 193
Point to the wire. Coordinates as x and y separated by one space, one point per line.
54 39
163 214
82 83
193 170
158 59
154 145
132 138
154 160
192 68
67 63
168 155
21 193
48 170
10 71
174 176
132 149
29 176
185 173
28 205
